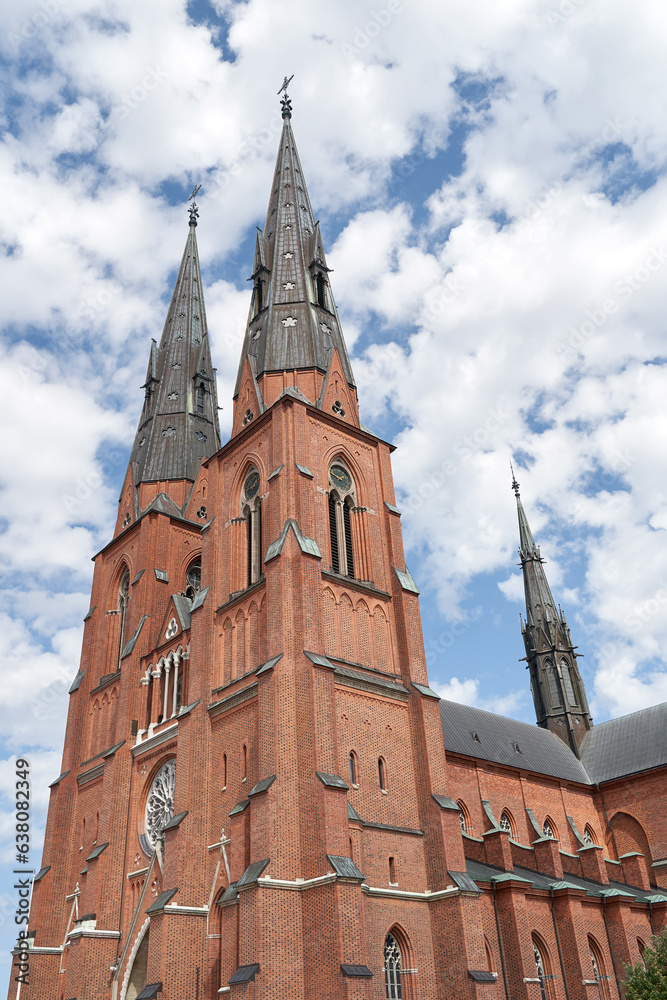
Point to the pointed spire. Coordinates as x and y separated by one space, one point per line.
558 689
179 422
293 334
539 600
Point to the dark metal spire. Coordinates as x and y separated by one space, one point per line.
179 422
558 689
539 599
293 323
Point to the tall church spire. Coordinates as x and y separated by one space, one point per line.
293 337
178 427
558 690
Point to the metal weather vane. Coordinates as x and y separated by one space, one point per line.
194 211
285 103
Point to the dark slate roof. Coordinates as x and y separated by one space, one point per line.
344 867
252 872
627 745
161 901
356 971
97 851
245 974
539 749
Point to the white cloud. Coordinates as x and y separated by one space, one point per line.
466 692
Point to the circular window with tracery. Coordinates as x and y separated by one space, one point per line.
160 802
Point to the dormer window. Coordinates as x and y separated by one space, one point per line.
259 295
201 391
320 287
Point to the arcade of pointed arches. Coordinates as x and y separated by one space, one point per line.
166 683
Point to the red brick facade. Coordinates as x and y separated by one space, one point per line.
255 751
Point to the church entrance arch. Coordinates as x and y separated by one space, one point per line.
136 976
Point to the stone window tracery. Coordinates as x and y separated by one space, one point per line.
392 968
464 817
599 972
506 823
539 968
160 803
193 578
549 828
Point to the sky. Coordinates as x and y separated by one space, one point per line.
490 180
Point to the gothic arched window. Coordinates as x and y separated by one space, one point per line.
193 577
382 773
569 683
597 961
392 968
341 503
252 512
553 685
464 817
542 968
641 948
589 836
507 823
123 601
549 828
201 395
354 769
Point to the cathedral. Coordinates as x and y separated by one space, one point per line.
260 795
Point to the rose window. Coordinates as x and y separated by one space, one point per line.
160 802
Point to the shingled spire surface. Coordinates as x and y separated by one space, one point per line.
293 324
178 427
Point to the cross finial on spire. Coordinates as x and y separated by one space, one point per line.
193 210
285 103
515 485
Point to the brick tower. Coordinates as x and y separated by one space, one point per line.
254 793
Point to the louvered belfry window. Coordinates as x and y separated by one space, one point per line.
334 534
341 503
348 540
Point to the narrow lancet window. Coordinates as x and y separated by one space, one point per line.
253 517
341 503
123 601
